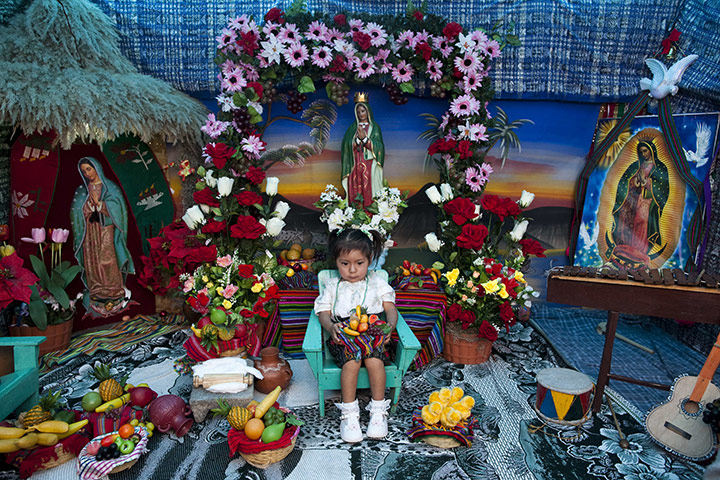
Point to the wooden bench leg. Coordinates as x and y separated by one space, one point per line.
321 401
606 360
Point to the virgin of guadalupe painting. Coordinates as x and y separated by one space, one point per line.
637 207
99 224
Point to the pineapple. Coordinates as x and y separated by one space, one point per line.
209 337
109 387
42 411
237 417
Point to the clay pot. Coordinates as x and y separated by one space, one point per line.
275 370
171 411
464 346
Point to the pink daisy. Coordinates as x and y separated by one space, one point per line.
253 145
444 121
465 105
484 171
434 69
356 25
421 37
471 82
233 81
228 66
321 57
296 54
238 23
333 34
385 67
214 128
493 49
474 180
479 37
406 39
377 34
442 44
403 72
467 63
289 33
479 134
227 37
382 54
365 66
272 29
316 31
262 62
251 26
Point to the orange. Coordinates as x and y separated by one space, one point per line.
126 431
254 428
363 327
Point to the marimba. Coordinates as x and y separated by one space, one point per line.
669 293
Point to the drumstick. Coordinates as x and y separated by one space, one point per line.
602 326
624 444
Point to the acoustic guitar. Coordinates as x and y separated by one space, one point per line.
677 425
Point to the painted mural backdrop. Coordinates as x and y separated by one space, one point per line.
637 208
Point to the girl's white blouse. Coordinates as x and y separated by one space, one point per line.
350 295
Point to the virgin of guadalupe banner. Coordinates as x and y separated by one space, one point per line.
143 181
638 208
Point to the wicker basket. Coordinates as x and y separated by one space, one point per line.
441 441
268 457
122 467
235 352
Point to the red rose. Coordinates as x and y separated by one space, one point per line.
213 226
502 207
463 148
457 73
453 312
275 15
257 87
259 310
461 209
247 227
340 19
494 269
255 175
467 318
246 197
202 254
245 271
452 30
418 16
512 209
487 331
507 315
338 64
247 313
362 39
220 153
424 49
531 247
472 236
271 293
206 197
199 303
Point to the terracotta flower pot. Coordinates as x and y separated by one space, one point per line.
464 346
58 336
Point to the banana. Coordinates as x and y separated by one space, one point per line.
351 332
358 311
73 428
28 441
196 331
51 426
7 445
114 403
47 439
10 432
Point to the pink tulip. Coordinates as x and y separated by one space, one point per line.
37 234
60 235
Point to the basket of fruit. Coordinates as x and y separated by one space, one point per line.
112 452
362 332
413 276
263 433
446 421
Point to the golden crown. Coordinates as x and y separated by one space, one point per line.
361 97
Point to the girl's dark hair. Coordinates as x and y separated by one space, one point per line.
355 239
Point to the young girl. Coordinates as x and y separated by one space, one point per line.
352 251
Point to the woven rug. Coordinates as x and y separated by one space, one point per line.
504 448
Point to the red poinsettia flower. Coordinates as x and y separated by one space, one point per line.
207 197
531 247
461 209
472 236
255 175
418 16
247 227
340 19
248 41
15 281
487 331
247 198
338 64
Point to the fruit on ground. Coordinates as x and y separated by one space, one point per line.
109 387
236 416
42 411
254 428
91 401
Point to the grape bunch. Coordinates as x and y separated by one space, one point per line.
241 116
269 92
395 94
711 415
339 93
437 91
294 101
375 331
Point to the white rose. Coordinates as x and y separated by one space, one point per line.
434 195
210 181
193 217
526 199
433 242
281 210
271 186
274 226
446 191
519 231
224 186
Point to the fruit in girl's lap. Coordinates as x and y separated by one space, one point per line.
362 327
354 324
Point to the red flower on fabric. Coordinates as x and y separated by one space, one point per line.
487 331
423 49
257 87
219 153
207 197
463 148
213 226
338 64
275 15
461 209
531 247
507 315
340 19
255 175
454 312
15 281
418 16
247 198
247 227
472 236
363 40
452 30
245 271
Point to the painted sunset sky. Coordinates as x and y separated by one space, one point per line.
553 148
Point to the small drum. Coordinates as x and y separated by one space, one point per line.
563 396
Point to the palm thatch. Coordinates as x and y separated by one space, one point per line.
62 70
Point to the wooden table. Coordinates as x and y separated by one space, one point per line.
688 303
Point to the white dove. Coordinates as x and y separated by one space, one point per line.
702 146
584 232
665 80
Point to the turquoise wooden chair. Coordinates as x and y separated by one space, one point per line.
19 389
328 374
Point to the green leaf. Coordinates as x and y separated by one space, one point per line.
306 85
239 99
70 274
40 270
452 256
327 89
217 211
438 265
38 313
201 171
410 8
407 87
293 420
256 119
251 110
513 40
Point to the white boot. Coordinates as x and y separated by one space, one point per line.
350 430
377 426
